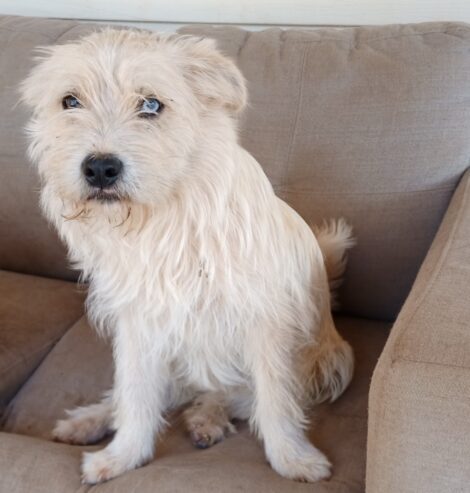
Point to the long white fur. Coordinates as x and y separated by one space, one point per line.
205 280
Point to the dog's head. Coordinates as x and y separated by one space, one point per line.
121 115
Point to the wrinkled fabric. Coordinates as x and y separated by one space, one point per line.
34 313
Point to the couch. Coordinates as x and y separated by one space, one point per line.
369 123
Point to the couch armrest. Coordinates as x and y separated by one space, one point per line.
419 402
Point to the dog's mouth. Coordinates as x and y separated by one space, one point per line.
104 196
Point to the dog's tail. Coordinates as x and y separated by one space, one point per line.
332 369
335 239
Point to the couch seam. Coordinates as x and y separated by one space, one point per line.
22 31
68 30
400 359
297 113
243 44
376 429
280 189
447 30
27 357
33 371
59 279
443 31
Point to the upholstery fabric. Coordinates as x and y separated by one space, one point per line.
34 313
420 395
367 123
78 370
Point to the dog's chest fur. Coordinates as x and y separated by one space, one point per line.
187 299
195 285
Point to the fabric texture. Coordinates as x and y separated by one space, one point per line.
79 369
420 397
367 123
34 314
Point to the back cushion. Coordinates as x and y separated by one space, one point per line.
371 124
27 243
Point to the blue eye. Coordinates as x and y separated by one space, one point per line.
70 102
150 107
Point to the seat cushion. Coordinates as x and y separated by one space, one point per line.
34 313
79 369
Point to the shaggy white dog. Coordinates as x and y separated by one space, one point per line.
213 289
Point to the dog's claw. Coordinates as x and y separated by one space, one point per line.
203 440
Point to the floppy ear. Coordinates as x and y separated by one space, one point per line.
214 78
34 88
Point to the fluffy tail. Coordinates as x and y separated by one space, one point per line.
333 369
335 238
333 357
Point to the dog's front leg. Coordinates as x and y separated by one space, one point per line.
278 416
141 382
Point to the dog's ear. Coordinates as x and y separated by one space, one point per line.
36 86
214 78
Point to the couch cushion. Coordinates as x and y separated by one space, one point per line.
75 372
78 370
34 313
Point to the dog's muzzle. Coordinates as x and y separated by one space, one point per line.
102 171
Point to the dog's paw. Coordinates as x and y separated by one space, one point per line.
101 466
207 420
67 431
79 430
204 434
307 465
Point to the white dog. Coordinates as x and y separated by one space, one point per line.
214 290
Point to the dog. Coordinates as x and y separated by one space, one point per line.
215 293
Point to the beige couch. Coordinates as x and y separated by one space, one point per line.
369 123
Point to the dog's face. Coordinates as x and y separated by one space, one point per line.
119 115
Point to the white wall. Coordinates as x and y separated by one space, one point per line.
249 13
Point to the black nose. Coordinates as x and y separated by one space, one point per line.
101 171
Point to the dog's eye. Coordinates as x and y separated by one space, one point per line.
71 102
149 107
